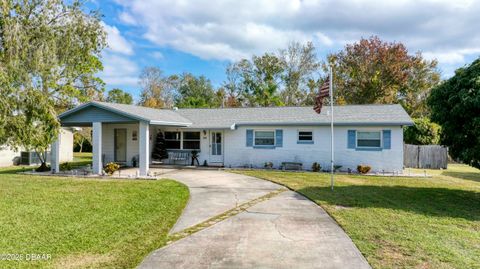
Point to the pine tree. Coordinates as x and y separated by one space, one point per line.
159 151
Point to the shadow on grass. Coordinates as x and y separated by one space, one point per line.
17 169
439 202
475 176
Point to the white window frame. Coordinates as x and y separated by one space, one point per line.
179 139
298 135
264 130
368 131
183 139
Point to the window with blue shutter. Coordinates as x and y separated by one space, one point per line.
387 139
249 138
351 139
279 138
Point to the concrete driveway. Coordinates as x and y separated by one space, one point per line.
213 192
286 231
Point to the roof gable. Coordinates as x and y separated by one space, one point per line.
89 114
110 112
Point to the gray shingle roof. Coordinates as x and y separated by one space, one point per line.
228 117
152 114
343 115
155 116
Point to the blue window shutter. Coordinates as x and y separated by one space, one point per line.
352 136
279 138
387 139
249 138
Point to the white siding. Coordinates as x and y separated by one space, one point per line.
108 141
237 154
7 156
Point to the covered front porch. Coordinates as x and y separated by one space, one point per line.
120 133
127 135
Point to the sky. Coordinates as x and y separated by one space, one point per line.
203 36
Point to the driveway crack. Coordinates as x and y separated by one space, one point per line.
218 218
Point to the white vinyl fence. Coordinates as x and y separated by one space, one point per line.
425 156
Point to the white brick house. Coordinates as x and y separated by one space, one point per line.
239 137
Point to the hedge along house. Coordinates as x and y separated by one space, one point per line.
245 137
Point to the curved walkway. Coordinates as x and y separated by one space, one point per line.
286 231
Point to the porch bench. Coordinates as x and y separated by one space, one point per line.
292 166
174 156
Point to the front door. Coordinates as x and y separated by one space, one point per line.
120 144
216 147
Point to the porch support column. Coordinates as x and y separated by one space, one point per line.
97 147
144 150
55 155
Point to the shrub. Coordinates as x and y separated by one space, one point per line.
268 165
316 167
337 167
363 169
66 166
424 132
110 168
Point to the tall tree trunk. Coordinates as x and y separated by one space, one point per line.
81 144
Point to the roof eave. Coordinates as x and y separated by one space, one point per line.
400 123
169 123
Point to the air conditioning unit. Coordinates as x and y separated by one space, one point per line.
31 158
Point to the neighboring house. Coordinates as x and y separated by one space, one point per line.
10 157
246 137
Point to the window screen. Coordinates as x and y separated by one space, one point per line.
369 139
264 138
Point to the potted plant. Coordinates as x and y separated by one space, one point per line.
135 161
195 157
268 165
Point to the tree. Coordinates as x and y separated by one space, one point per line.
376 72
49 55
33 125
300 64
195 92
157 90
160 149
423 132
232 87
120 97
260 80
83 139
455 105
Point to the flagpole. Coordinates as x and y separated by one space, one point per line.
331 125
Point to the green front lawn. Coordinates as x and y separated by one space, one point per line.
401 222
96 223
82 158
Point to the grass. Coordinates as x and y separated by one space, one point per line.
401 222
82 158
94 223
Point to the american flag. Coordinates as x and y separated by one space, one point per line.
323 92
